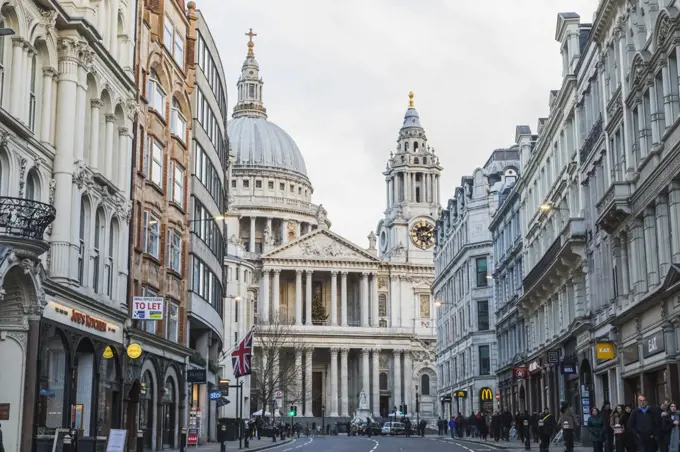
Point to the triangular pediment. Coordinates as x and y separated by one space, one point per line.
671 279
321 244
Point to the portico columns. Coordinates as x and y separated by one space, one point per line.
674 198
298 297
374 300
344 389
108 145
334 382
308 382
397 378
364 299
298 375
284 232
365 373
334 299
408 378
343 298
308 298
275 295
376 382
251 240
265 296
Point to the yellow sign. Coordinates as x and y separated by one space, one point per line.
604 351
486 394
134 351
460 393
108 352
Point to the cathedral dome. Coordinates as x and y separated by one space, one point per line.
257 142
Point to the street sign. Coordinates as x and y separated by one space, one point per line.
278 394
279 402
553 356
498 396
222 401
214 395
192 436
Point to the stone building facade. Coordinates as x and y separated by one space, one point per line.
466 340
68 101
159 264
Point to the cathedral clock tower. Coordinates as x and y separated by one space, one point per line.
406 233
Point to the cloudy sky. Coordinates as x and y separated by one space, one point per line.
337 75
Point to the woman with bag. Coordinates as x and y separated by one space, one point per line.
675 431
617 422
596 429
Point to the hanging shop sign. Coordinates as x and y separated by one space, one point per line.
460 394
553 356
534 368
134 351
486 394
4 411
604 351
446 399
631 354
519 373
147 308
653 345
196 376
568 368
107 353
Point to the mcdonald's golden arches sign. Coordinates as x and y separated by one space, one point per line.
486 394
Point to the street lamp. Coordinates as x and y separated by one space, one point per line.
549 206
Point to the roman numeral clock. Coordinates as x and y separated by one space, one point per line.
422 235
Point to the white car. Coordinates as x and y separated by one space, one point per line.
393 428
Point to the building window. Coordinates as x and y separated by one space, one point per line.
482 280
154 151
483 315
108 269
206 284
484 360
292 188
97 250
246 183
382 305
233 183
178 185
152 233
258 184
178 123
81 242
32 186
155 93
382 323
282 186
173 322
383 381
52 384
32 98
270 185
178 54
148 325
175 251
425 384
168 34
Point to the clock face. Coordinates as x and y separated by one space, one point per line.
422 235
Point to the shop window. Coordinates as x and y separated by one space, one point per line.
169 413
52 385
109 396
146 407
82 381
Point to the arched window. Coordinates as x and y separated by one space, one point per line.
32 97
84 215
382 305
383 381
178 123
110 256
155 93
98 243
425 384
32 190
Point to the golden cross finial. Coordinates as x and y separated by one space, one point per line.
251 44
410 99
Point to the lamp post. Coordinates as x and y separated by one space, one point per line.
417 406
323 419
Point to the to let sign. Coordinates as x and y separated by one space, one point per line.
147 308
653 345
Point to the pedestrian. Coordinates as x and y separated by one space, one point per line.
440 426
596 429
567 422
617 422
2 447
546 427
452 426
608 439
645 423
675 432
666 426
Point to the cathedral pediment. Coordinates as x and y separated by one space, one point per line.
321 245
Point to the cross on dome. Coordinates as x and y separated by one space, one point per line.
410 100
251 44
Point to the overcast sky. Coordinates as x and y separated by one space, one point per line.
337 75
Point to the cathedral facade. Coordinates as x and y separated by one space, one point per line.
332 319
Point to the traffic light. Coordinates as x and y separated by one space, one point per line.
291 413
295 410
405 409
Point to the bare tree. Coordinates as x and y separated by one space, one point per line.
275 366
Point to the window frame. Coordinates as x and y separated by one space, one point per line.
482 370
146 292
482 277
174 259
154 145
149 233
177 194
173 320
486 314
155 93
178 123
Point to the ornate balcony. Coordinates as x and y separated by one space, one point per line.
24 219
591 140
613 208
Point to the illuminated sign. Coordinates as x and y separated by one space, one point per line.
460 394
87 321
519 373
604 351
486 394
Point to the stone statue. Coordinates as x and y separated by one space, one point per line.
363 401
267 236
372 240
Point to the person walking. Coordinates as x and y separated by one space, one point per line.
674 443
666 426
645 423
608 432
546 427
567 423
596 429
617 422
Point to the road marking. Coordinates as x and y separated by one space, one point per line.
376 445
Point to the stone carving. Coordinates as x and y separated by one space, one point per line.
372 240
363 400
132 109
398 250
638 71
399 215
323 248
321 216
417 279
4 138
382 282
80 176
267 236
384 362
48 19
664 30
292 230
22 176
638 324
20 337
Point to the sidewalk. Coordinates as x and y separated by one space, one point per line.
255 444
514 445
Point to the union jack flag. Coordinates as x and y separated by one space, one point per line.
242 355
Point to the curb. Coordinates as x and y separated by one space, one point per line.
487 444
272 445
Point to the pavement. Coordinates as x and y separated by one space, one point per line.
344 443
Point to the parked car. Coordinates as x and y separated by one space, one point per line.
393 428
375 429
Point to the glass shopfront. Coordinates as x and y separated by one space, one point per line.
146 406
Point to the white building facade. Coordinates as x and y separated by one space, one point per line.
67 106
466 340
361 319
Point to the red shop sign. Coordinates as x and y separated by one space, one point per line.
192 436
519 373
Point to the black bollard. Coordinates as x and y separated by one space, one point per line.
75 440
183 441
246 439
222 439
527 436
67 444
140 441
274 435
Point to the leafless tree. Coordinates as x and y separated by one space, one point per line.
275 367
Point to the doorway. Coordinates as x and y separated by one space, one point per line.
169 406
384 405
317 393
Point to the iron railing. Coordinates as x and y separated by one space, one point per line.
25 218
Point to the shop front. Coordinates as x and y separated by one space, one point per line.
461 396
535 386
79 374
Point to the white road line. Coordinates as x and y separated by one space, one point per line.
286 450
376 445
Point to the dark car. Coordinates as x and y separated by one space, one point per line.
375 429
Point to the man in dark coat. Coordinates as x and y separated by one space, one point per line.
546 427
645 424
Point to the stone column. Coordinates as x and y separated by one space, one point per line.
297 229
334 298
638 257
284 232
264 309
364 299
650 244
408 379
81 105
663 234
397 377
299 391
108 146
251 238
17 77
275 296
387 194
63 160
344 386
124 159
376 382
308 382
625 274
46 109
674 198
298 297
271 233
334 382
375 321
343 298
95 108
365 372
308 298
